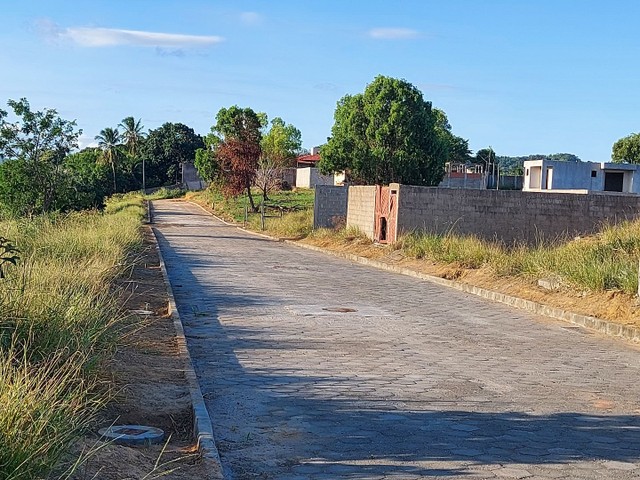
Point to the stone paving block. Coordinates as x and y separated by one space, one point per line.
425 382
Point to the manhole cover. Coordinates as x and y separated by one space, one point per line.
132 434
339 309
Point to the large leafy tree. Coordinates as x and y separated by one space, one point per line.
238 152
109 142
389 133
165 149
34 145
206 160
88 178
452 147
627 149
280 147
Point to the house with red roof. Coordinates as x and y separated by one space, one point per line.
308 175
309 159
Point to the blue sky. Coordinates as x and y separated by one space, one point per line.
524 77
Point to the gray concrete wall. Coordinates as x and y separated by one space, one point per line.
361 209
190 178
511 182
450 181
289 177
330 206
510 216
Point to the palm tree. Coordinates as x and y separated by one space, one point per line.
133 135
109 142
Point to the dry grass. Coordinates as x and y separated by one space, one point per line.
59 318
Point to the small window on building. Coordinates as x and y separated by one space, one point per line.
526 172
594 173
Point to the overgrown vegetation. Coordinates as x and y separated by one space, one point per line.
606 261
296 207
164 193
59 319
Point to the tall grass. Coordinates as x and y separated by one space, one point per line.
605 261
297 220
164 193
59 318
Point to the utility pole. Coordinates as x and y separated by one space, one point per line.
144 184
496 167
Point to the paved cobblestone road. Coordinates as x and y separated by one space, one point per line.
418 382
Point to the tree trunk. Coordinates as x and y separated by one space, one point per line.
113 169
253 205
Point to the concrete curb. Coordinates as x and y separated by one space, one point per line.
213 215
202 426
602 326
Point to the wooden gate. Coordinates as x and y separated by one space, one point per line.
386 214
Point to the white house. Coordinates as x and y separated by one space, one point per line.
558 176
308 175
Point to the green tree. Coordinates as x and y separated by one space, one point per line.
206 161
459 150
88 178
164 151
454 148
34 146
109 142
133 136
387 134
239 150
485 156
280 147
627 149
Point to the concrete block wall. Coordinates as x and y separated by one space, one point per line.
361 209
510 216
330 206
463 182
289 176
511 182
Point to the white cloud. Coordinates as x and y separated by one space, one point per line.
85 141
393 33
110 37
326 86
251 18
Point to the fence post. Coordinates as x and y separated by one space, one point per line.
262 215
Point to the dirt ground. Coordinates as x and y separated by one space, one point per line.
151 389
614 306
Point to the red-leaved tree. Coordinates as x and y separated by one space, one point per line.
238 162
239 149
